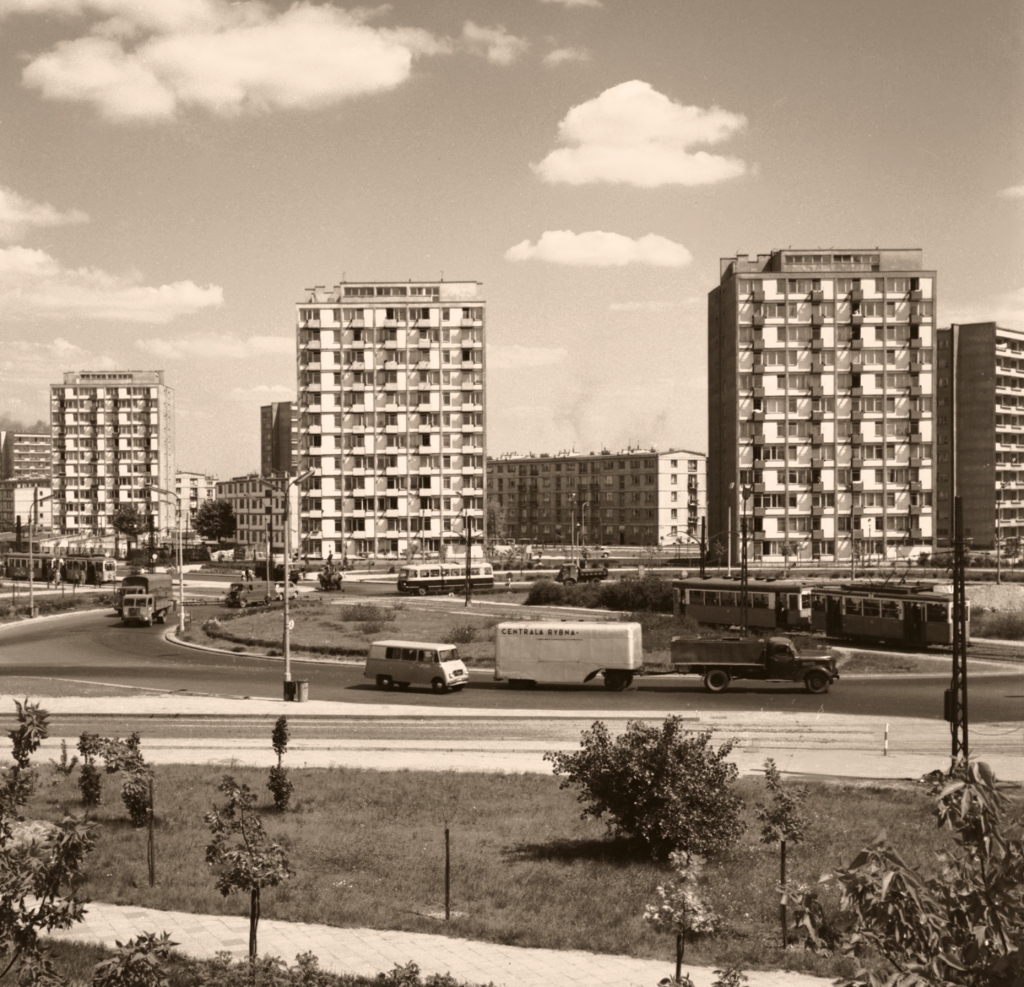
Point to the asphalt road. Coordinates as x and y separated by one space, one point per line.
97 648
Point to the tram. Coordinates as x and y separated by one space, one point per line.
90 570
915 614
783 604
434 577
16 566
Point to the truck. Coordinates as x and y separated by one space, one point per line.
157 584
571 573
239 596
528 652
773 659
146 607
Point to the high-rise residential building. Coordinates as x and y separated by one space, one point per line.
820 403
17 496
636 497
113 443
25 454
250 497
279 437
194 489
391 416
980 437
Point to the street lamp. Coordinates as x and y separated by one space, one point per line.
999 532
181 566
288 693
36 500
583 526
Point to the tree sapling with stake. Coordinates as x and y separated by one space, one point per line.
279 784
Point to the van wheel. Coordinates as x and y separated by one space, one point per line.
616 680
438 685
717 680
422 591
816 681
385 682
403 685
161 618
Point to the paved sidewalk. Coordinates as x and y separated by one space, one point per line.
369 951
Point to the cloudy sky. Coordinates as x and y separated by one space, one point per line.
173 173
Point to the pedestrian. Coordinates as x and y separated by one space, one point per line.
508 579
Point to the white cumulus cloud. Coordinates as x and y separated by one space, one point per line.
559 56
599 249
514 356
632 134
146 64
18 215
264 392
216 347
1013 192
495 43
33 284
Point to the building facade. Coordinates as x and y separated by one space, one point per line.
193 489
279 438
25 454
113 444
16 499
980 437
392 417
820 403
250 497
637 497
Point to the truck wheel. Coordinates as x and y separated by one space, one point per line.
161 618
570 582
816 681
717 680
438 685
385 682
422 591
616 680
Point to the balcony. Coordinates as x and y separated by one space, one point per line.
856 295
757 319
757 295
856 344
817 488
915 343
817 439
857 462
915 390
915 318
857 392
817 296
758 488
758 345
817 367
857 487
817 416
817 345
915 486
757 416
759 464
817 390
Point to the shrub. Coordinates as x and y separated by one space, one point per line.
459 634
545 592
1008 625
365 612
135 795
280 787
669 790
649 593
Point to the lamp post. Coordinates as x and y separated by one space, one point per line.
36 500
181 568
745 491
999 534
583 526
287 639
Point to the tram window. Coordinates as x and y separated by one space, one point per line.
727 599
710 598
760 600
435 572
938 613
696 596
794 601
891 609
818 603
851 605
872 608
805 601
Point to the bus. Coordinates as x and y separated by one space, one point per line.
780 604
443 577
916 615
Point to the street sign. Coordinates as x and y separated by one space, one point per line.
291 625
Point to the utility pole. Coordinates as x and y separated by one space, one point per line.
743 572
853 543
956 695
703 545
469 540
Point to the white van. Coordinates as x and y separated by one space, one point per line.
527 652
402 663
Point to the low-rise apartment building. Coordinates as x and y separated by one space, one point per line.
25 454
16 499
258 505
194 490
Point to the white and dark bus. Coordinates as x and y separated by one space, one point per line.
443 577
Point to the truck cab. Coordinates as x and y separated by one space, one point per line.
138 607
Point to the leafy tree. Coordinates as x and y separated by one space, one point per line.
680 909
963 927
90 781
215 519
129 521
279 785
781 822
657 784
246 859
31 731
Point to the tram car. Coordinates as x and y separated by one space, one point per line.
443 577
16 566
89 570
915 615
783 604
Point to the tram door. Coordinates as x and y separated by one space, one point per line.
833 615
781 617
913 623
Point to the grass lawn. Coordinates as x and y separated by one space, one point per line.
367 849
50 603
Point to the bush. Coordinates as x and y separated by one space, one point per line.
135 795
90 781
460 634
650 594
1008 625
365 612
280 787
656 784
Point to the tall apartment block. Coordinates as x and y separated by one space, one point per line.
279 438
391 416
637 497
25 454
820 392
113 443
985 363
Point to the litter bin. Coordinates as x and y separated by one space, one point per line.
296 691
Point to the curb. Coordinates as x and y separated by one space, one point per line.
51 616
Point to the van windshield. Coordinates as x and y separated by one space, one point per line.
448 654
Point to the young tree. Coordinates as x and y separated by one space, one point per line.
246 860
963 927
279 785
781 822
215 519
31 731
680 909
129 521
657 784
